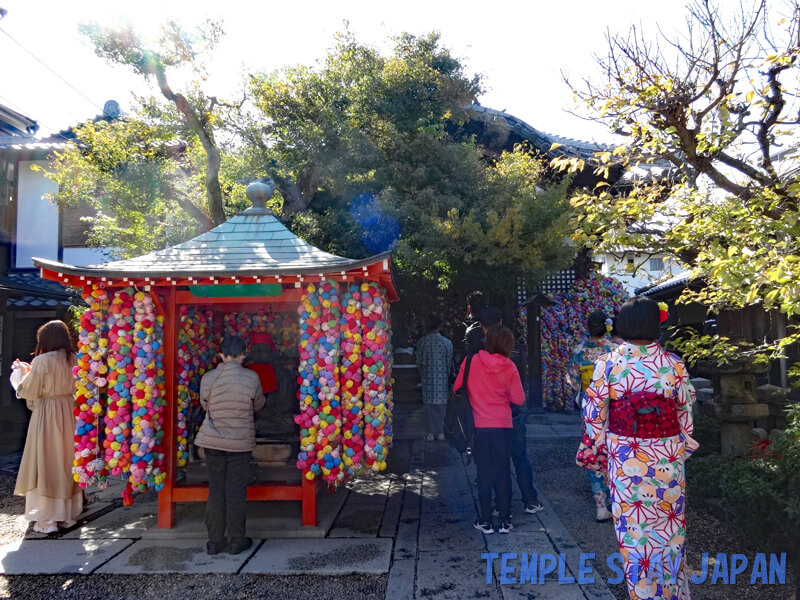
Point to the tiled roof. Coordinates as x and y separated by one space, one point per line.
544 142
253 242
25 289
14 123
36 302
678 282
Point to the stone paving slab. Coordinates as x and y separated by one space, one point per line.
35 557
174 556
321 557
391 515
449 532
90 510
433 501
549 590
401 580
453 576
123 522
359 519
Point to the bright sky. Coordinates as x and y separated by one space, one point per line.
520 47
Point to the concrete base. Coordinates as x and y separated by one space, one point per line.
334 557
264 520
34 557
174 556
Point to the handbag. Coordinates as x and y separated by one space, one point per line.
459 422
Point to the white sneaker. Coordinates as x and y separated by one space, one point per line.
440 437
428 437
603 514
532 509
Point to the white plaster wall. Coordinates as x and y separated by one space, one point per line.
616 266
37 217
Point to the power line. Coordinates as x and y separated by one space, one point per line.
41 62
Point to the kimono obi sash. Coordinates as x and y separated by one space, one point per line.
646 415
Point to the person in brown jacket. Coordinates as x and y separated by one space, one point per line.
230 394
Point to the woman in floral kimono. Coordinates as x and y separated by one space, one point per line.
579 376
638 417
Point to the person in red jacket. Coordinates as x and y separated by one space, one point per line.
494 384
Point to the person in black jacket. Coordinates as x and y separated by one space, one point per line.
473 337
489 317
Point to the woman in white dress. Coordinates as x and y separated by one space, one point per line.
52 498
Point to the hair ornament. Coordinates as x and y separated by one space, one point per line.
663 312
609 324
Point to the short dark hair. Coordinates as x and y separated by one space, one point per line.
596 323
233 345
477 301
638 319
433 322
490 316
499 340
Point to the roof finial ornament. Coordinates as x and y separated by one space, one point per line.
258 192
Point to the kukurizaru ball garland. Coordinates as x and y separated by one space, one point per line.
344 430
120 379
563 326
91 380
350 379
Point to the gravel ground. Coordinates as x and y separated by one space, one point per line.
12 510
164 587
566 486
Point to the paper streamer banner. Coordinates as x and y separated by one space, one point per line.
563 326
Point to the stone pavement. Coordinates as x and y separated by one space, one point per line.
414 523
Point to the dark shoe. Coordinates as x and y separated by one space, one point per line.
213 548
484 527
533 508
240 546
505 526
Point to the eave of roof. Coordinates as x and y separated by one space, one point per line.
253 244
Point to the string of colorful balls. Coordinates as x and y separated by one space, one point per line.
344 430
120 354
563 326
376 368
196 355
90 380
350 379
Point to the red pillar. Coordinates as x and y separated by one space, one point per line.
166 504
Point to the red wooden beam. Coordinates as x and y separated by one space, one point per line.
166 501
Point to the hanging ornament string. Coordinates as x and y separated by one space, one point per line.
90 380
308 378
351 378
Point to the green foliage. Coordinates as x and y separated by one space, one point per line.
361 122
759 493
727 202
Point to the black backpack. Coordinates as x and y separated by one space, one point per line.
459 424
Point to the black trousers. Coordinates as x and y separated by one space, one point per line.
492 453
226 511
522 465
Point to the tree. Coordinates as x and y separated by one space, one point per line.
174 47
366 150
362 123
715 114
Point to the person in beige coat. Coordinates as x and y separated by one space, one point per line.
52 498
230 394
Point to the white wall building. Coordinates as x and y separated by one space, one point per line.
636 270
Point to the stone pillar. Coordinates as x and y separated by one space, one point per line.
736 404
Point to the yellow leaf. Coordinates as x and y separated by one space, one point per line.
555 145
750 95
